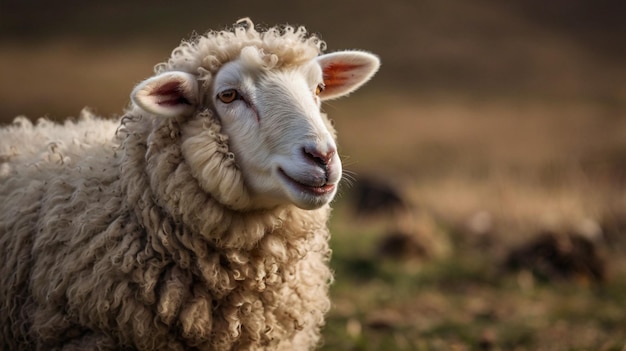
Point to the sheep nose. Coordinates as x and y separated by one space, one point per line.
320 157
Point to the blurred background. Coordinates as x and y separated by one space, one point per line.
484 204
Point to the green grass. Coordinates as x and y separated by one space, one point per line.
461 302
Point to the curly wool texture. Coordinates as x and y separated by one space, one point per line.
204 55
132 235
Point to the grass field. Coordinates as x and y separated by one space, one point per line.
464 303
509 113
530 167
466 300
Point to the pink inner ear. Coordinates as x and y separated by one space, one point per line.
337 74
170 94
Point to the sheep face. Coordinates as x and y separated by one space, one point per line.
271 114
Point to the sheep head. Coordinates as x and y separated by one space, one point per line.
282 142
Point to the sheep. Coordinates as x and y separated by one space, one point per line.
197 221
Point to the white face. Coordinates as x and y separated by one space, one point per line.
277 133
272 117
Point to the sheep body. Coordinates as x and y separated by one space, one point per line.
145 234
87 263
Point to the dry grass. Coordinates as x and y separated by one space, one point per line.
525 162
526 166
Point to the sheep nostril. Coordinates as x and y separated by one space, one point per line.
321 158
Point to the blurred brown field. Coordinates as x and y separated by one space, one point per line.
514 109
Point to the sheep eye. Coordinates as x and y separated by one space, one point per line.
320 87
229 95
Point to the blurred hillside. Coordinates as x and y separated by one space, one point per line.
91 53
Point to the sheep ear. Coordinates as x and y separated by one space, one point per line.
346 71
168 94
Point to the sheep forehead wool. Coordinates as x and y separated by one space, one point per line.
205 54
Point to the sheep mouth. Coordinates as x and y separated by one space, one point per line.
311 188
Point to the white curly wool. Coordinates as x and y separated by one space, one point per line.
165 230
